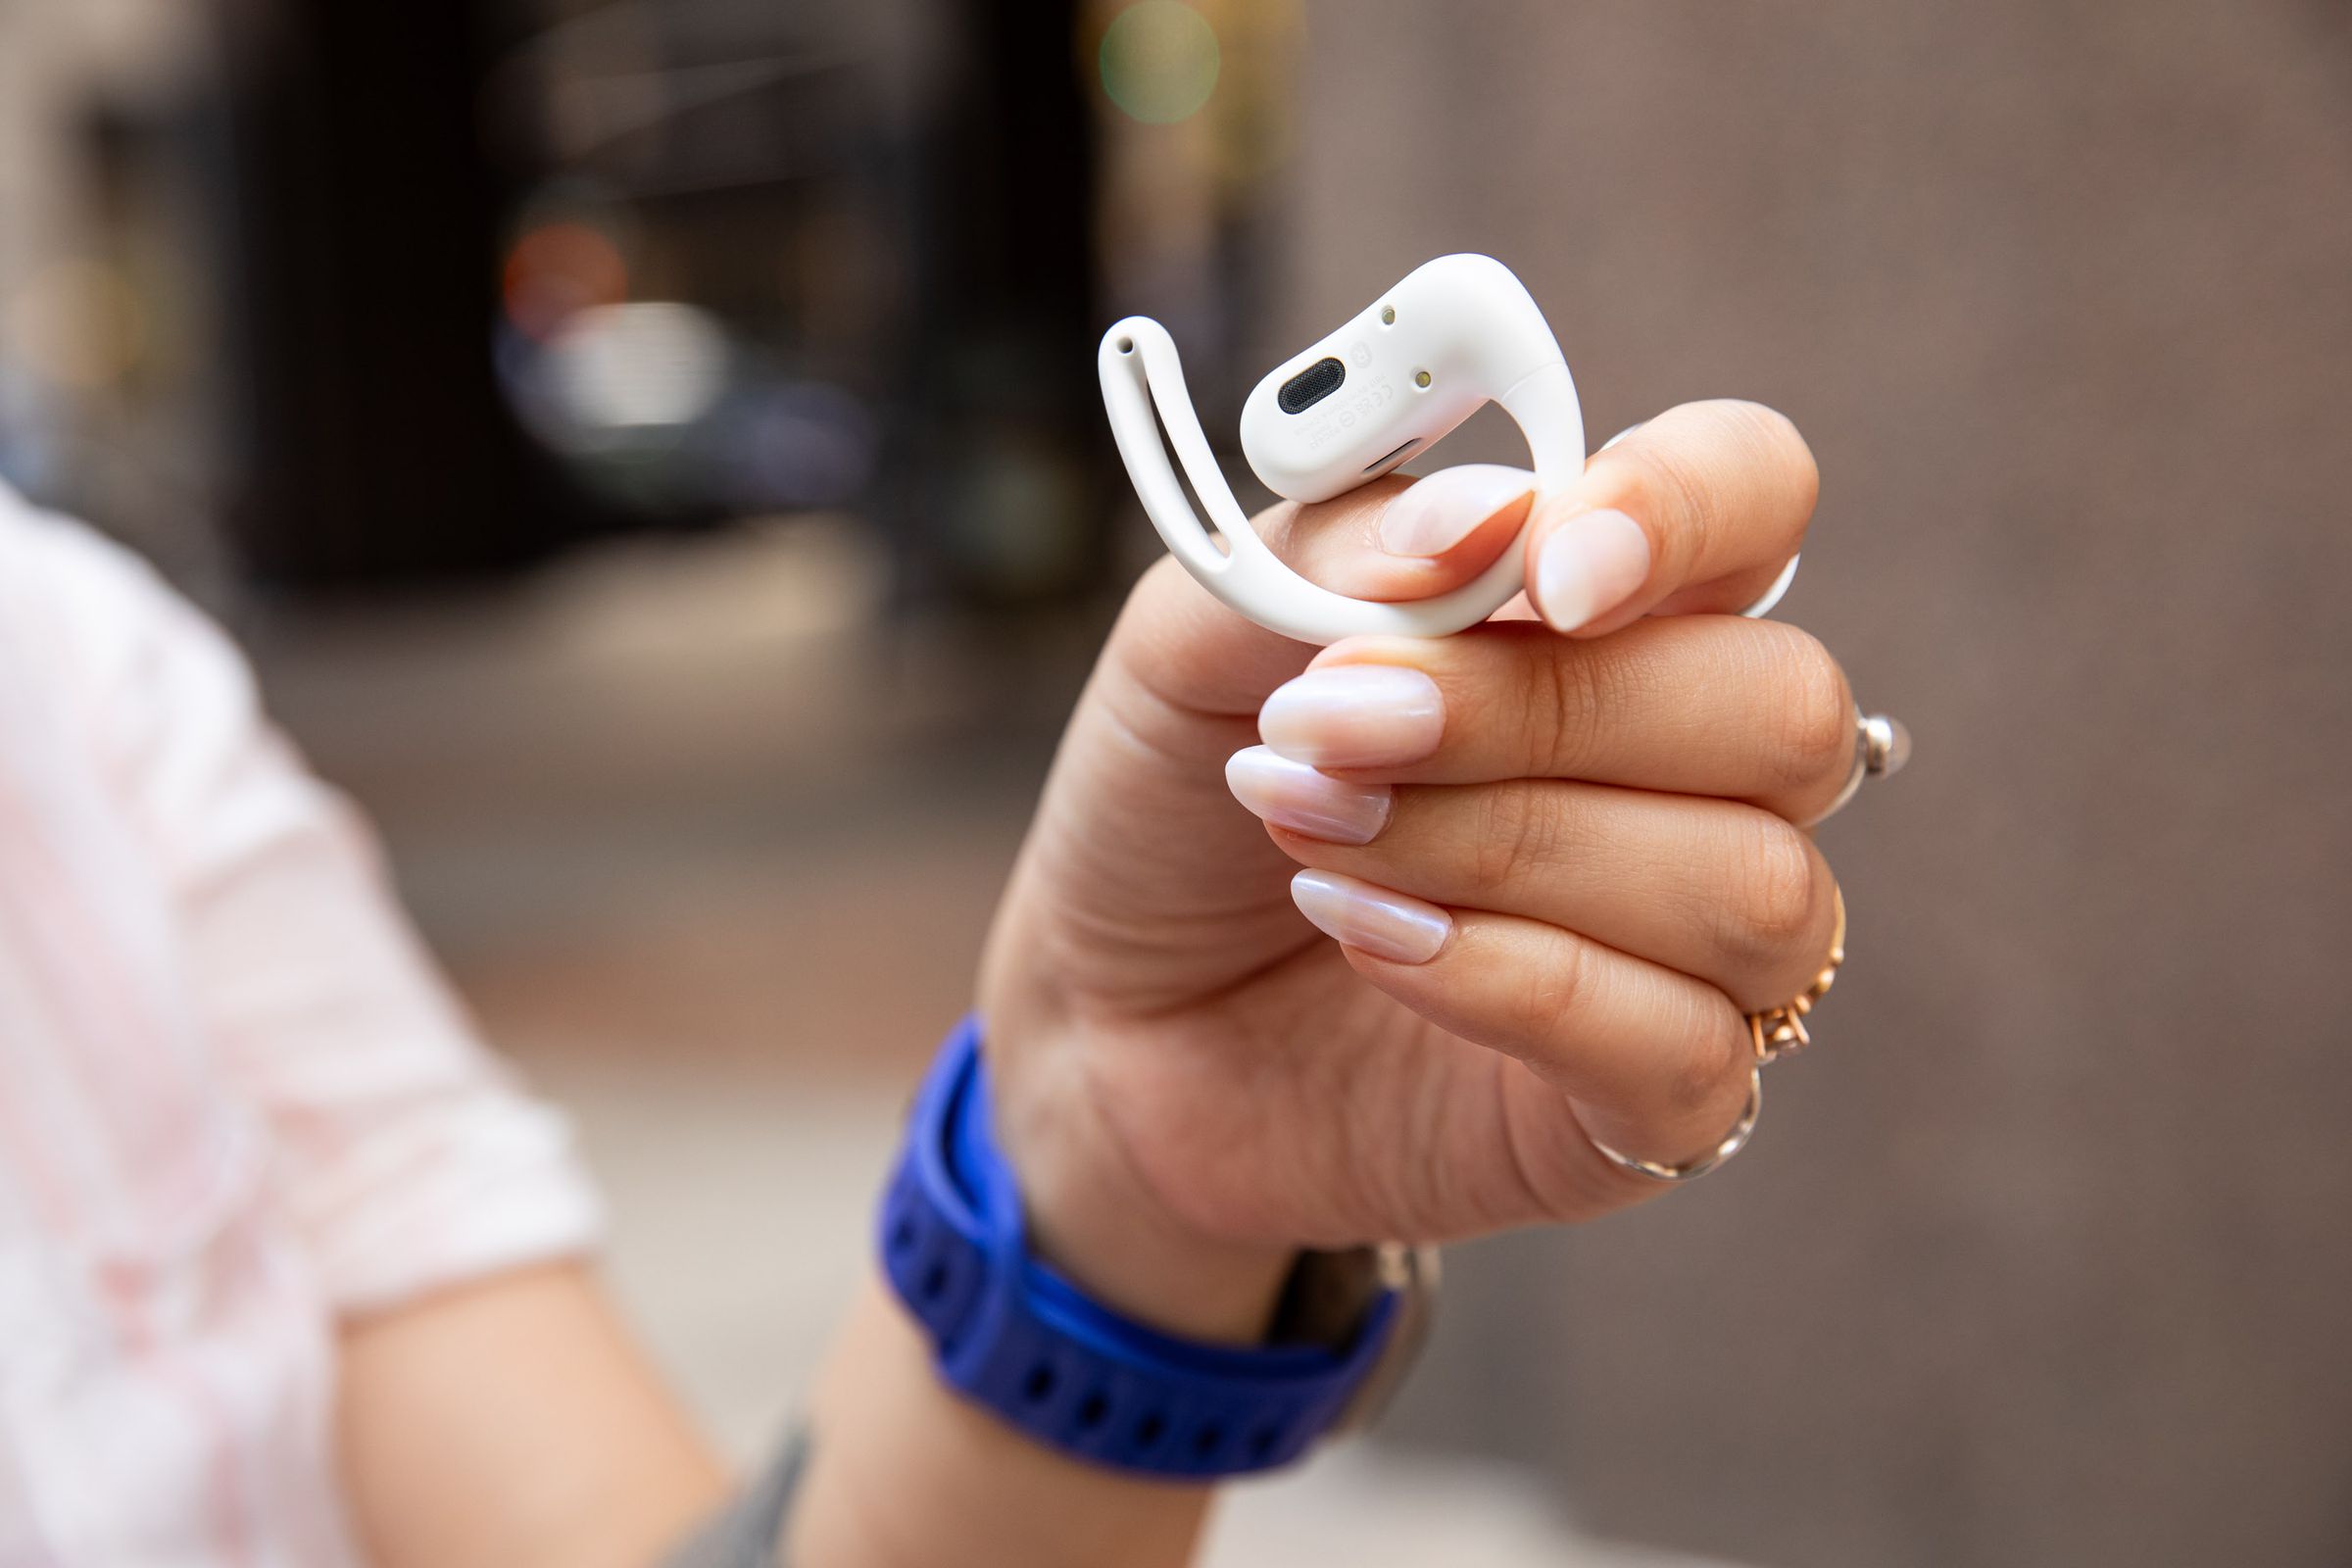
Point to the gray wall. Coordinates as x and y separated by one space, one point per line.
2045 1256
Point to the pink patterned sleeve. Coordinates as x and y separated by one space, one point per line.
409 1156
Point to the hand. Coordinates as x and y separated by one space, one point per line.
1558 859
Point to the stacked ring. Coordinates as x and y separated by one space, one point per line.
1777 1031
1881 746
1773 1034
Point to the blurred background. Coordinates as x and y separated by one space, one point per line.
650 448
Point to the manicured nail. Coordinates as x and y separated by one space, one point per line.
1356 914
1446 508
1294 795
1354 715
1589 566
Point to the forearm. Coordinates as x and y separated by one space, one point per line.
902 1474
516 1424
516 1421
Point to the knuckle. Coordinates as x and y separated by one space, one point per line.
1717 1052
1517 832
1773 446
1815 742
1536 722
1716 471
1550 992
1565 696
1775 904
1668 485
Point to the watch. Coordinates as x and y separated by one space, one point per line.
1023 1342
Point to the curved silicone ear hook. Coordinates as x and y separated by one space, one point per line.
1141 373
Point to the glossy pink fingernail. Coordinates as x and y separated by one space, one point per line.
1354 715
1294 795
1356 914
1587 566
1440 512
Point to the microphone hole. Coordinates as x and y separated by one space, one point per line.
1126 344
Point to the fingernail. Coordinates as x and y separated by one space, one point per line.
1354 715
1356 914
1589 566
1441 511
1294 795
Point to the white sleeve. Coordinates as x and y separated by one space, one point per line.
407 1154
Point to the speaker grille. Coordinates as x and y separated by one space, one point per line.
1311 385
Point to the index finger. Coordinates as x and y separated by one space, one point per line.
1753 711
1698 510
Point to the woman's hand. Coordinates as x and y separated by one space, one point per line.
1547 868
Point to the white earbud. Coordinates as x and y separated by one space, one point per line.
1455 334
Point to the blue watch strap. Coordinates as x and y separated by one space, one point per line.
1016 1338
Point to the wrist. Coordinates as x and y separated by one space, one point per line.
1104 1342
1095 1219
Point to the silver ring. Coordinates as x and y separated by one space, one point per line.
1881 746
1734 1142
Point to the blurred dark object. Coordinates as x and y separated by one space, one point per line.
376 445
1004 415
513 276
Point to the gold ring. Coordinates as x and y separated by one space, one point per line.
1778 1031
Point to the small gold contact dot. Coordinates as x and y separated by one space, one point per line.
1420 379
1387 316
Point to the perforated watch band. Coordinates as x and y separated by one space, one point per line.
1011 1335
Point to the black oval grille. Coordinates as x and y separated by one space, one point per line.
1311 385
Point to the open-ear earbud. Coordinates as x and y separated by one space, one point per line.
1455 334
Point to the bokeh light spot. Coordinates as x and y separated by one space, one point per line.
655 363
78 323
558 270
1160 61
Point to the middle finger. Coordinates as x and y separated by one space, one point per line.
1724 892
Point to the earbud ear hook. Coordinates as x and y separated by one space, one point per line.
1452 335
1142 373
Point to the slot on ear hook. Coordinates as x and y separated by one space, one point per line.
1217 538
